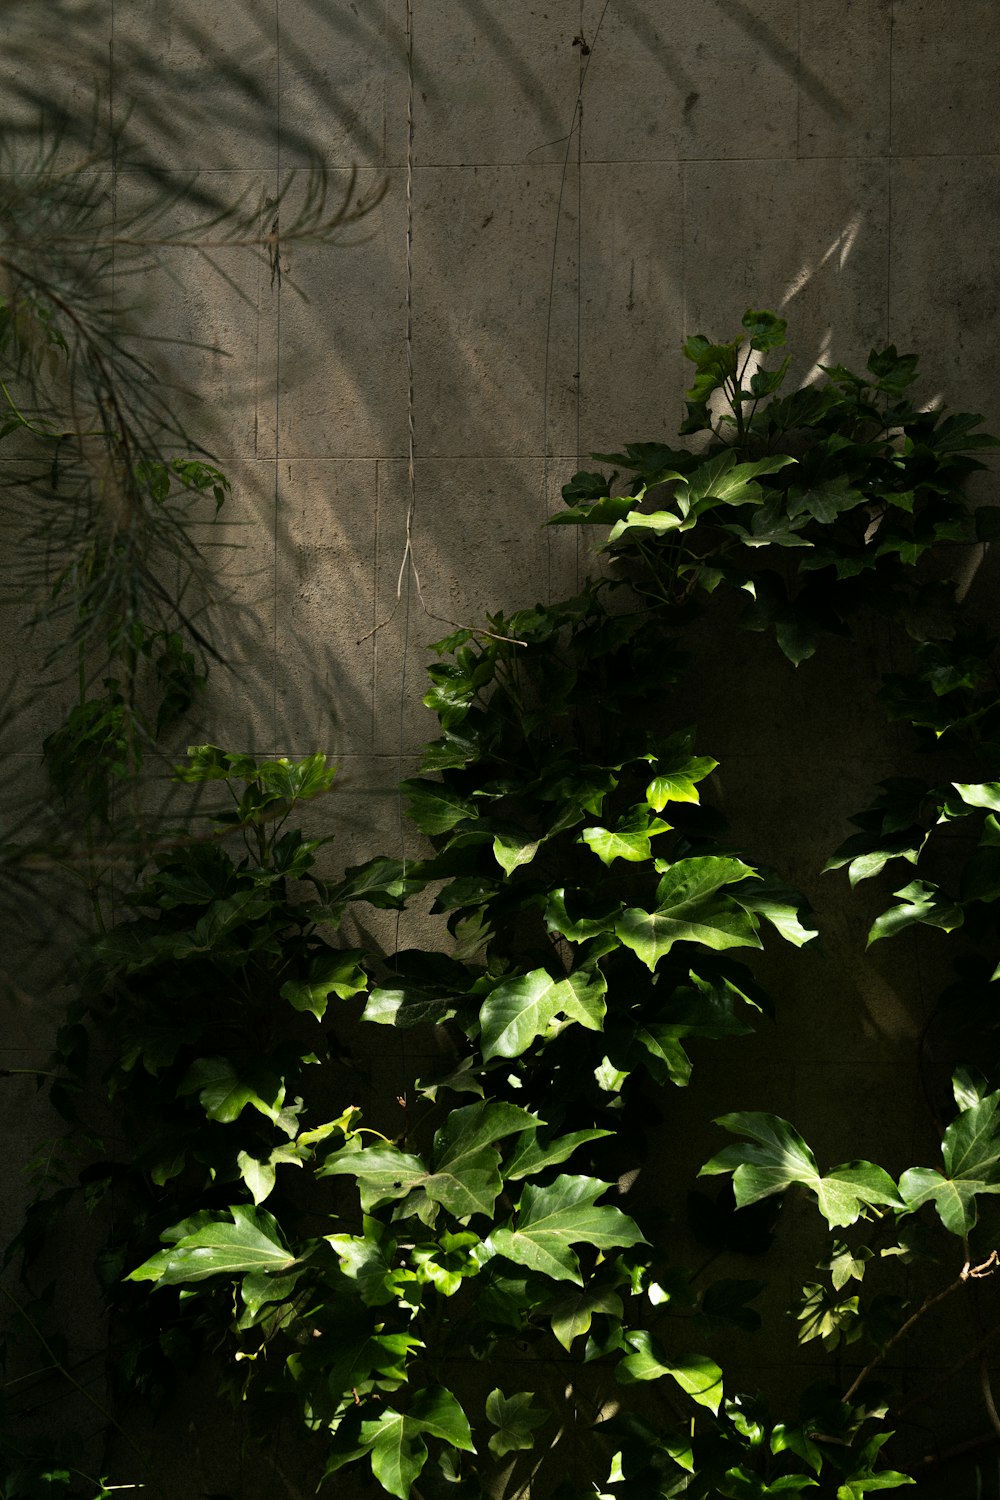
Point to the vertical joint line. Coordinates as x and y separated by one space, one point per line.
277 395
889 175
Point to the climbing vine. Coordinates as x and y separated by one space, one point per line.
448 1285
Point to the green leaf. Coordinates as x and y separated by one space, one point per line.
383 1173
691 910
395 1440
516 1420
577 929
723 481
796 1440
571 1314
367 1259
517 1012
780 1157
628 840
971 1152
332 973
846 1264
604 511
888 1479
531 1155
259 1176
224 1093
398 1453
696 1374
251 1243
921 902
766 329
466 1177
550 1220
435 807
382 882
969 1087
679 785
514 849
826 500
983 794
780 906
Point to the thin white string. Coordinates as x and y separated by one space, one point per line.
408 563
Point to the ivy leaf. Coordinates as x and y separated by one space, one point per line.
367 1259
722 480
259 1176
550 1220
867 855
691 910
920 902
982 794
481 1124
572 1313
888 1479
395 1440
466 1177
398 1453
517 1012
665 1058
969 1087
846 1264
826 500
516 1420
251 1243
224 1093
531 1155
513 849
629 839
434 807
603 512
696 1374
779 905
577 929
383 1173
796 1440
766 329
382 882
331 973
971 1152
221 918
679 785
781 1157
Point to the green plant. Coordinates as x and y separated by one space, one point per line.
433 1250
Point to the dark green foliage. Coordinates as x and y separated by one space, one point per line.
595 920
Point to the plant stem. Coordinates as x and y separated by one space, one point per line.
967 1273
58 1365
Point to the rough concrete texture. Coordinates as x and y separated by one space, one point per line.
591 181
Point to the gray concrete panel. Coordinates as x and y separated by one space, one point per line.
702 79
943 291
945 74
807 239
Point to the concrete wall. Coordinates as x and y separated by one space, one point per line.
590 182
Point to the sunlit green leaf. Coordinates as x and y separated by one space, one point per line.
550 1220
971 1152
696 1374
251 1243
518 1011
516 1421
778 1157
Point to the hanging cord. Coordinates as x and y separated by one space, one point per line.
576 128
408 564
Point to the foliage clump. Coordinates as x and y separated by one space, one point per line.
598 925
